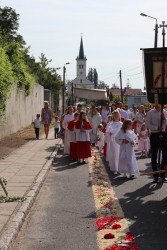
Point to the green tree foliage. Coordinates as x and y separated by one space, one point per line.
93 77
16 65
6 78
9 23
102 85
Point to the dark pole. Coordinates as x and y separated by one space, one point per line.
156 29
156 35
63 87
120 76
72 91
163 90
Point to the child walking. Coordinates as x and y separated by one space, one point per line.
83 129
126 139
56 126
144 141
37 125
100 137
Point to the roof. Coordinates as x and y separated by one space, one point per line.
81 51
126 91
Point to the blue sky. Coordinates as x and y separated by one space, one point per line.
113 33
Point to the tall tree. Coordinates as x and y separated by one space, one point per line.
93 76
9 22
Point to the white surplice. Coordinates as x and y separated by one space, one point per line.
127 159
66 120
113 154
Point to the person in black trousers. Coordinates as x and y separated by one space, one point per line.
156 122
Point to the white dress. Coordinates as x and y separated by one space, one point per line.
100 142
127 159
114 146
66 120
107 138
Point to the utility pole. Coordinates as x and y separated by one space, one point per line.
120 76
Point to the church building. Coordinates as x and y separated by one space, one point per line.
81 81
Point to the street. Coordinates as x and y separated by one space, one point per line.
63 216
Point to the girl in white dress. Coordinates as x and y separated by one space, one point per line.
100 137
144 141
114 146
127 159
107 137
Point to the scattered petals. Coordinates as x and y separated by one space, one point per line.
116 226
109 236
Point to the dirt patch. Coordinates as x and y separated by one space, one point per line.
16 140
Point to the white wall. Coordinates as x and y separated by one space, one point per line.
21 109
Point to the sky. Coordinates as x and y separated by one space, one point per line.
113 33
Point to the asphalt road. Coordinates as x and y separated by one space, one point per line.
145 205
63 217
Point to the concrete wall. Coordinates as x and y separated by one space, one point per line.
21 109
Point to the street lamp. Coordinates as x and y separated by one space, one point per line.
156 29
63 86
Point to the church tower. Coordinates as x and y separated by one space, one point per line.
81 80
81 63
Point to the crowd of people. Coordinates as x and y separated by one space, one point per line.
114 130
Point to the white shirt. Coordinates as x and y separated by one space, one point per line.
153 120
37 123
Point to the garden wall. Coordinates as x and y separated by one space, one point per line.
21 109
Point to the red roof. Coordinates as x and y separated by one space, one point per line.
126 91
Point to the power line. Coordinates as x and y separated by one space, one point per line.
133 74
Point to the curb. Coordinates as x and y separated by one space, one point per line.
14 225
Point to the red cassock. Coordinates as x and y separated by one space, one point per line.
73 144
83 146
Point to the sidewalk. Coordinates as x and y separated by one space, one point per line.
25 170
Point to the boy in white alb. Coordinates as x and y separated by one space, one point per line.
37 125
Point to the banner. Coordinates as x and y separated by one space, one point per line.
155 71
91 94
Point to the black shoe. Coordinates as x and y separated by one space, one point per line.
155 181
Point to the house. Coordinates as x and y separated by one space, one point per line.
130 95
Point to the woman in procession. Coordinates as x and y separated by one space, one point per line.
83 128
94 118
46 118
114 147
127 160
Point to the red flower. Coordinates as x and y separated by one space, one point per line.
116 226
109 236
129 236
106 222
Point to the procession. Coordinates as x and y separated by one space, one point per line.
117 138
83 125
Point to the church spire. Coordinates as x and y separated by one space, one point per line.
81 50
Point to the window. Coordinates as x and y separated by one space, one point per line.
81 73
80 80
80 66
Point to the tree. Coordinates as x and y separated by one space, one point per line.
93 76
102 85
9 22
